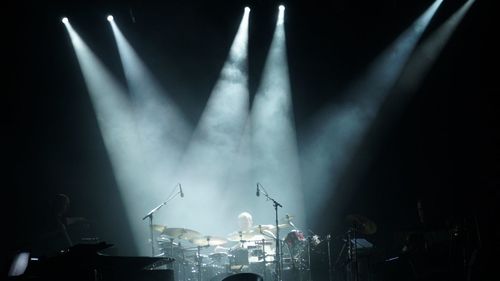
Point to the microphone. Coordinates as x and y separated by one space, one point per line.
180 189
258 191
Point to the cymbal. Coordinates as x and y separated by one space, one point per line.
257 232
250 235
164 238
159 228
209 241
270 227
287 218
241 235
182 233
262 227
284 225
362 224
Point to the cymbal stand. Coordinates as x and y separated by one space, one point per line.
264 258
345 245
171 247
199 263
352 254
309 275
182 266
279 261
150 216
177 266
241 239
200 258
328 238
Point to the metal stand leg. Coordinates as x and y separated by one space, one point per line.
199 263
329 258
309 274
352 255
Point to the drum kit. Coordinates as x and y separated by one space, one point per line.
201 257
211 258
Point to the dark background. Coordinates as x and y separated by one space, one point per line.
441 148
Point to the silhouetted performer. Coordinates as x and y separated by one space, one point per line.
54 234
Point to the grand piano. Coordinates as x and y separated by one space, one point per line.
84 262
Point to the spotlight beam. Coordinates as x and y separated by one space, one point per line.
210 158
338 130
163 133
426 54
274 145
115 121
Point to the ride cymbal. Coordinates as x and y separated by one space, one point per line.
182 233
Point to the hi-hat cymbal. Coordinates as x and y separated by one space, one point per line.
159 228
270 227
208 240
182 233
362 224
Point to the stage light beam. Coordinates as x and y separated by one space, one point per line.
117 126
338 130
163 134
426 54
110 18
274 149
209 159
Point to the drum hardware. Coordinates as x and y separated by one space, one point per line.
202 242
199 260
175 250
181 234
169 242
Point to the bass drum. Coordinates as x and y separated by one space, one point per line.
220 276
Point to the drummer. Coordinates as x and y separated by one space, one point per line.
245 221
247 233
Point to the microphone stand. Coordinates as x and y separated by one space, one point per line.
150 216
279 265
